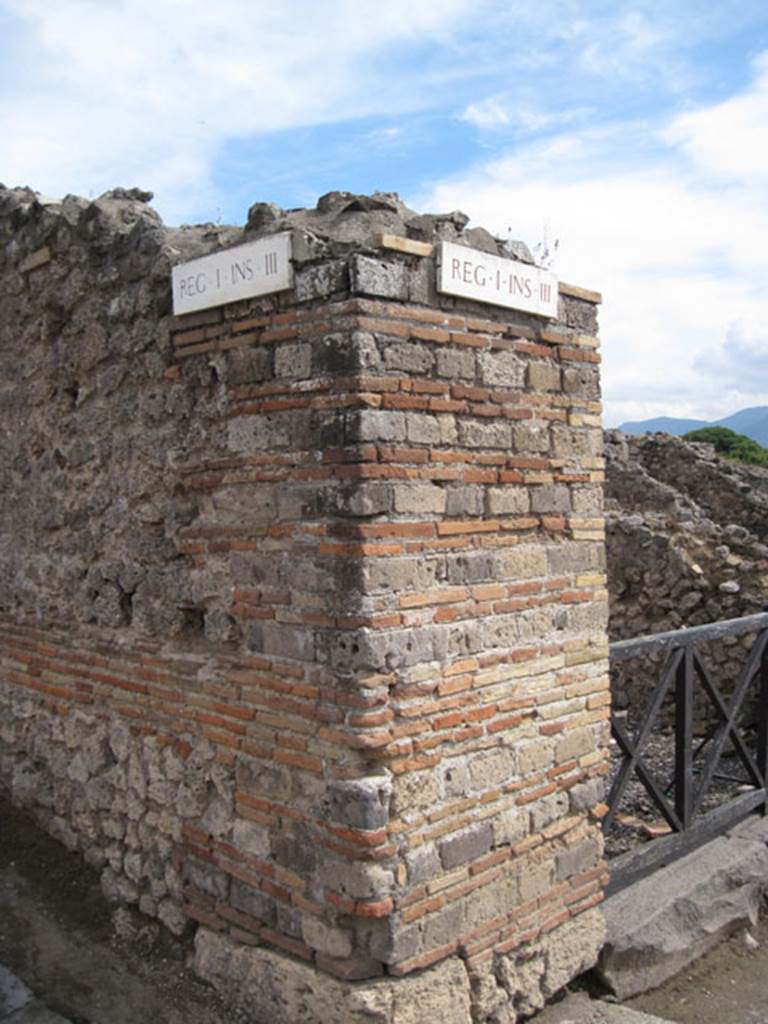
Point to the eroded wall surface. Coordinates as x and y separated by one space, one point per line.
686 545
303 635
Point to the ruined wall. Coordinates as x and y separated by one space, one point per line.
303 597
686 545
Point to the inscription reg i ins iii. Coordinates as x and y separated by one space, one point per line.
256 268
244 270
501 282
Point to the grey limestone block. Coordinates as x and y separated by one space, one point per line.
659 925
384 278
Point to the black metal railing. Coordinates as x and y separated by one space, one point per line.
736 724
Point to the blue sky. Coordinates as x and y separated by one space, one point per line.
633 134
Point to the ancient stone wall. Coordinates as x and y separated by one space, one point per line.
303 601
686 545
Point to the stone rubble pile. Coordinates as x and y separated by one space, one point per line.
687 544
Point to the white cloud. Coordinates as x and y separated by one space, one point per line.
119 91
521 113
487 113
731 138
681 260
620 46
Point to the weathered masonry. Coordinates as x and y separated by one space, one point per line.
303 603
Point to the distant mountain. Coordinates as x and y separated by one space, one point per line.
662 424
753 422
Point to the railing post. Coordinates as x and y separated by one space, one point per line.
684 738
761 720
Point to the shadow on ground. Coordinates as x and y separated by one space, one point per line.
57 935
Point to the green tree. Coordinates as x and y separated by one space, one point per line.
731 445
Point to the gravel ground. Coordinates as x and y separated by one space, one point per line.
639 820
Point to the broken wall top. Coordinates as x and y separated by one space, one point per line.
341 222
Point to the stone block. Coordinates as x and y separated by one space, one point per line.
578 859
588 500
357 880
422 428
457 364
466 846
574 743
251 838
501 369
510 826
296 853
573 949
455 776
362 498
573 556
583 443
586 795
321 281
464 500
589 618
402 574
387 279
659 925
389 941
350 968
342 352
421 285
509 500
293 361
408 356
488 902
481 434
326 939
288 920
535 879
358 651
361 803
535 755
473 567
423 863
544 377
492 769
548 809
414 793
287 641
551 498
273 987
206 878
376 425
531 438
170 914
449 431
443 926
252 902
419 498
524 561
263 777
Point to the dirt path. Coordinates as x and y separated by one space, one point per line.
57 935
727 986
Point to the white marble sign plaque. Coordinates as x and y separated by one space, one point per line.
501 282
256 268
